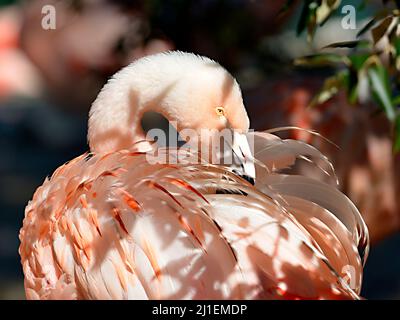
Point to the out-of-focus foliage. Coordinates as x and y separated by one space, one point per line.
6 2
370 68
313 14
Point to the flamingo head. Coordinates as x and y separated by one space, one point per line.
195 94
206 96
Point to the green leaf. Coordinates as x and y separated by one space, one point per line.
352 81
396 101
331 87
348 44
325 10
396 54
357 60
380 30
396 45
308 18
396 138
304 16
379 81
322 59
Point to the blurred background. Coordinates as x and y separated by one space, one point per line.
48 79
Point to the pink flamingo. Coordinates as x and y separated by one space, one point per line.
112 225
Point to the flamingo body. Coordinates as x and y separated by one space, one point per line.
114 225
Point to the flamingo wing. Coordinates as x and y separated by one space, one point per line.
114 226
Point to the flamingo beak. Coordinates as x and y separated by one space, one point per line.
243 157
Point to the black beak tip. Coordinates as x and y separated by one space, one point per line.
245 177
249 179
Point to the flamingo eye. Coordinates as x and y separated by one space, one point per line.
220 111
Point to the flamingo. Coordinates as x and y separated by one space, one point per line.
113 224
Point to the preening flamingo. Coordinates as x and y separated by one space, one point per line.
111 224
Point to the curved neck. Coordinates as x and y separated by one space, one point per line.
115 117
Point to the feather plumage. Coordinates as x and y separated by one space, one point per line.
161 231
